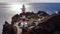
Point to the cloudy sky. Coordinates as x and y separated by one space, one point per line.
29 0
9 8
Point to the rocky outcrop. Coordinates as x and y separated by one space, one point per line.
11 29
8 29
50 26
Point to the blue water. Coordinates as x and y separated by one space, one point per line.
6 14
50 7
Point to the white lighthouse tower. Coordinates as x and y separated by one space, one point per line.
23 23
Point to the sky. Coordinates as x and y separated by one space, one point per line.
8 8
30 1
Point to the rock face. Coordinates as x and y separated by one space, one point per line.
30 17
8 29
50 26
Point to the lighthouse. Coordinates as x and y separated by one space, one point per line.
23 23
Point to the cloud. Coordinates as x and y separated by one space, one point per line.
30 1
8 0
